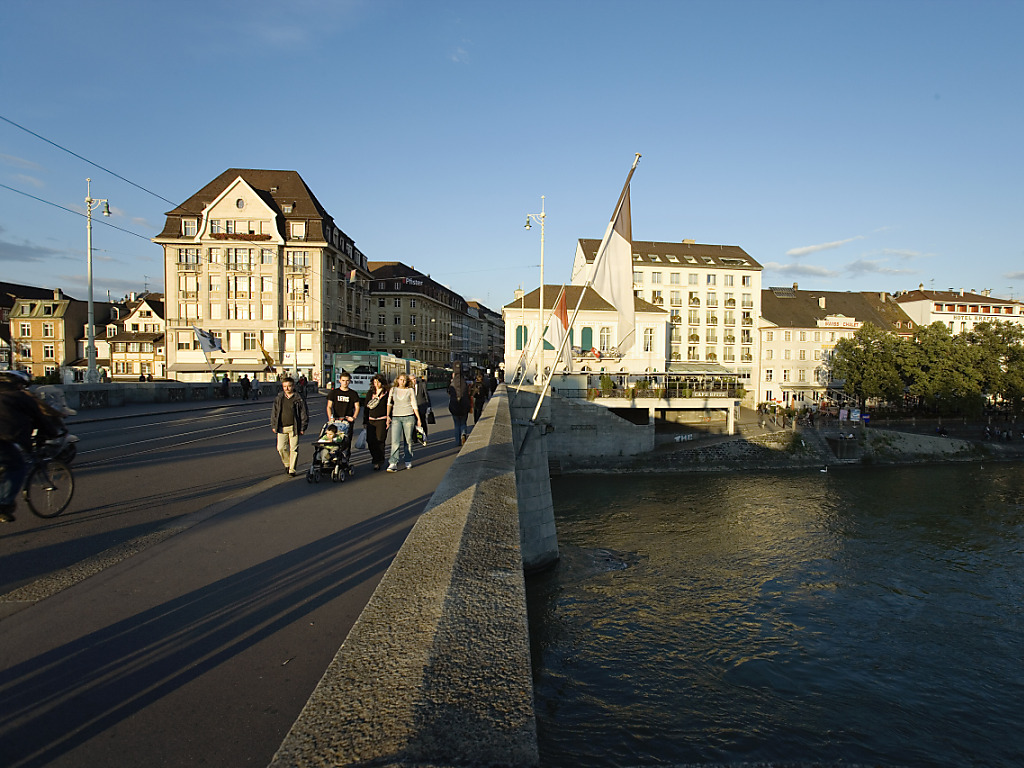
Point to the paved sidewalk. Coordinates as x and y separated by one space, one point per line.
135 410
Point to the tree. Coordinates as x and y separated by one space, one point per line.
999 349
869 365
942 370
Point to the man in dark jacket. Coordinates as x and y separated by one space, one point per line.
289 420
20 414
423 404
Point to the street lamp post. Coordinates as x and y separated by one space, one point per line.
540 217
91 374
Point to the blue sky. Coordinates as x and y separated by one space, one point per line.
844 145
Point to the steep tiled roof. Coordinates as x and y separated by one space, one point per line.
682 254
591 300
792 308
276 188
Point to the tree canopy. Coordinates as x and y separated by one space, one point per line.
934 370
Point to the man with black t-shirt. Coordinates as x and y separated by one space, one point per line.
342 402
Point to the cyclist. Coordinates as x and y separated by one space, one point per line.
20 414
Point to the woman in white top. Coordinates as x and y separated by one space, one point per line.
402 416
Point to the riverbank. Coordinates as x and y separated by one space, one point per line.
805 448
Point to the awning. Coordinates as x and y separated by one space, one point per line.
712 369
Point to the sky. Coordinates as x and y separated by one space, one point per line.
843 145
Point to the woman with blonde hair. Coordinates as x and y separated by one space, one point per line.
403 416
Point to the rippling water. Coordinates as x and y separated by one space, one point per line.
868 615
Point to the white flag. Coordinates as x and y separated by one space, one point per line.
558 332
612 273
207 341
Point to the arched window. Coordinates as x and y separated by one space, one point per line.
521 336
605 339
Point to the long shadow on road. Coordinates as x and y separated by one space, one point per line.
59 699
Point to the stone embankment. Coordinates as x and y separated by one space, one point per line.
804 448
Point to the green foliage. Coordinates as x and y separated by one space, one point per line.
943 373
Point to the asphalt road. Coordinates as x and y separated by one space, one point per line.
182 610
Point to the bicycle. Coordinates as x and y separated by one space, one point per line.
49 484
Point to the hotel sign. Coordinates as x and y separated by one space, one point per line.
839 321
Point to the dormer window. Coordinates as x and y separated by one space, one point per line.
188 227
287 207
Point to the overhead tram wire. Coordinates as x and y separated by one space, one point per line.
77 213
87 160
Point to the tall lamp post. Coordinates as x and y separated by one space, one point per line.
540 217
91 374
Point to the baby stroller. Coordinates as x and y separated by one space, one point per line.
331 454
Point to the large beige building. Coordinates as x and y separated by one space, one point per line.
413 316
799 329
255 259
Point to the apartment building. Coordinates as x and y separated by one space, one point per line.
711 295
591 335
135 339
798 331
44 333
413 316
9 293
492 333
255 259
960 310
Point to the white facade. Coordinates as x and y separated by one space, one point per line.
711 294
596 328
959 311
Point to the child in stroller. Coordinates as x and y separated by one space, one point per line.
331 452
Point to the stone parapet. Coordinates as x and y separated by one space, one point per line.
436 670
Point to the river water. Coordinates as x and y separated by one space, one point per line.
865 615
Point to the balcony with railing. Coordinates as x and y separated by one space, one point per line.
748 321
694 301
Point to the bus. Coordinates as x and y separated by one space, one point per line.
362 366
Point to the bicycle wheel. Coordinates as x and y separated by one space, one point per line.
49 488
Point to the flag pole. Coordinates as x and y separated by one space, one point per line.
600 253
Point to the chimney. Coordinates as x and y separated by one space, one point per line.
882 295
821 302
689 242
920 286
519 294
796 286
58 294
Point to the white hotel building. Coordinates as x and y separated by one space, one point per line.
712 297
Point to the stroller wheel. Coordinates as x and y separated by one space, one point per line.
336 474
351 470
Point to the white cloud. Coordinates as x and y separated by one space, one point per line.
875 266
20 162
29 252
903 254
1014 275
807 270
459 56
808 249
32 181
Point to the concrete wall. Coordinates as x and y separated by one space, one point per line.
436 670
580 430
113 394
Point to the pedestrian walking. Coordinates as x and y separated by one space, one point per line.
458 403
225 387
246 386
375 419
256 391
289 419
423 406
342 402
480 394
402 418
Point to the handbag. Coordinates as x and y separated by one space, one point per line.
430 416
361 439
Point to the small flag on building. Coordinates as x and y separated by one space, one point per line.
595 352
207 341
266 356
